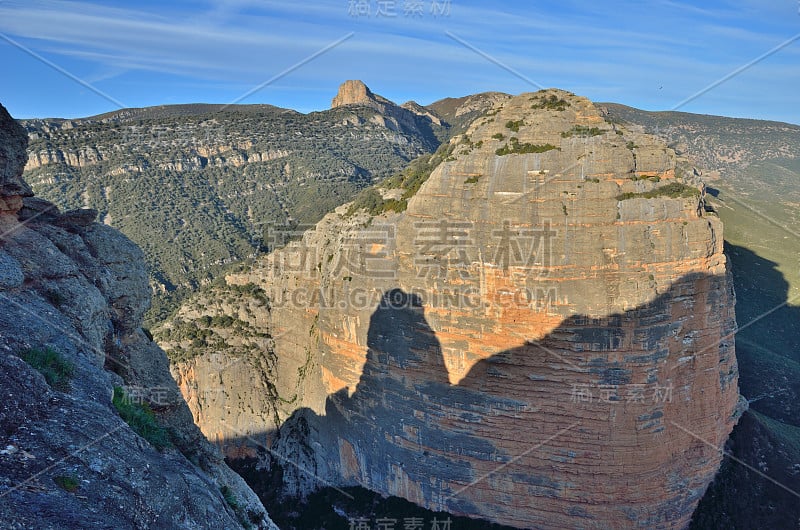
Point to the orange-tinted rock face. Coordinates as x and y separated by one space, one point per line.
525 343
352 92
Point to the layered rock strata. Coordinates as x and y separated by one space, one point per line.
542 338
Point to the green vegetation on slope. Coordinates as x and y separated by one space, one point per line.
514 125
213 329
672 190
68 483
410 180
141 419
582 131
371 201
56 370
514 147
549 102
196 186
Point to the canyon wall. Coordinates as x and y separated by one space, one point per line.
540 336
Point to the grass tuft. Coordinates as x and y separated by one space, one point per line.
141 419
56 370
514 147
473 179
68 483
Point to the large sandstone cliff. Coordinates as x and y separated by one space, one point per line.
542 338
76 291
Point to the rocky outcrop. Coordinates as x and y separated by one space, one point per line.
419 110
460 112
222 357
73 356
541 338
83 157
355 92
409 118
12 160
197 158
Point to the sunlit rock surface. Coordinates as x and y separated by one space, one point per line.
543 338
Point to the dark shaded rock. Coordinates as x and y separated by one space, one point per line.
37 208
11 275
81 218
13 142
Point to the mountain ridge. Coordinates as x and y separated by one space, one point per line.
211 183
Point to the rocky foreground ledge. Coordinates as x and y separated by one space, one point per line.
74 362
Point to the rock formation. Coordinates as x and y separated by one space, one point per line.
542 337
460 112
72 297
409 118
12 161
354 92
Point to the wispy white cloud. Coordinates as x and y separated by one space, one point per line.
647 53
727 13
114 36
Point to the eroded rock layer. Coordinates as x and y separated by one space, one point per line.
541 338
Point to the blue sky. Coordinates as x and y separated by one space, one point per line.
652 55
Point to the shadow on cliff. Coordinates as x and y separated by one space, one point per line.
405 420
404 393
768 351
404 359
411 423
768 342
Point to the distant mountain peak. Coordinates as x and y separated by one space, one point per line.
355 92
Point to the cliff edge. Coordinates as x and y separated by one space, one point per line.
93 430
